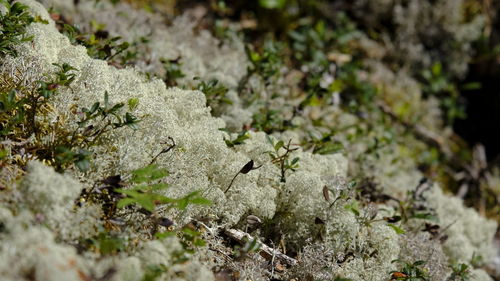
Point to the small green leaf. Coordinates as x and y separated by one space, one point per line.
83 165
353 207
125 202
424 216
436 69
328 148
200 201
396 228
419 262
269 140
163 235
3 153
199 242
278 145
148 173
157 186
106 100
94 108
188 231
272 4
133 103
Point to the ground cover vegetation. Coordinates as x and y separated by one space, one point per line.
264 140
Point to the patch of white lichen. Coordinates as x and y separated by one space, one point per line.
40 223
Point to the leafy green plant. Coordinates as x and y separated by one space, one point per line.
13 23
108 244
324 144
414 205
103 114
249 246
266 63
12 112
460 272
215 93
173 71
410 271
100 45
19 112
272 4
140 194
19 107
270 120
280 156
477 260
190 239
238 140
438 84
153 272
47 88
144 192
95 122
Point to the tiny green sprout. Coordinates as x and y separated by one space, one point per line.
270 120
240 139
281 159
353 207
39 19
413 206
133 103
12 112
63 76
143 193
342 194
105 48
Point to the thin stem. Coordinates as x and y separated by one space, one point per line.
227 189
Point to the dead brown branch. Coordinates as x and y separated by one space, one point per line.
265 251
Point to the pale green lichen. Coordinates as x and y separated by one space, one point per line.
202 161
469 234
